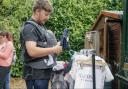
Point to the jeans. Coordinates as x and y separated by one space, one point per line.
7 81
37 84
3 72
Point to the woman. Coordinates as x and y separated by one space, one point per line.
6 55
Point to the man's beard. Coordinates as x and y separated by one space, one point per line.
40 22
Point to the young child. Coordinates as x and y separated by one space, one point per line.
6 55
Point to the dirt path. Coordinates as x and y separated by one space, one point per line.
17 83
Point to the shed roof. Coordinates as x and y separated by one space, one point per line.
110 14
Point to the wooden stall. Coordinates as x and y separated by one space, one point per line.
106 39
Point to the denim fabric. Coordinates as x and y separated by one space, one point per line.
64 41
1 82
37 84
3 72
7 81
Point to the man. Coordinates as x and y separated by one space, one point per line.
32 51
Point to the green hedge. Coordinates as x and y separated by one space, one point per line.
76 15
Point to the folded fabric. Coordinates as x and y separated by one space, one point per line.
64 39
58 67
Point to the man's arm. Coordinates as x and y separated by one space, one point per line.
35 51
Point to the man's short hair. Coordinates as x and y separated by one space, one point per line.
42 5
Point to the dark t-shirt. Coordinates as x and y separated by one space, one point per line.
30 33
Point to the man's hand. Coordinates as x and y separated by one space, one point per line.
57 49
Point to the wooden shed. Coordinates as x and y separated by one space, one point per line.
106 38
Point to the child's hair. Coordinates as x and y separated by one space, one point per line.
3 33
7 34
